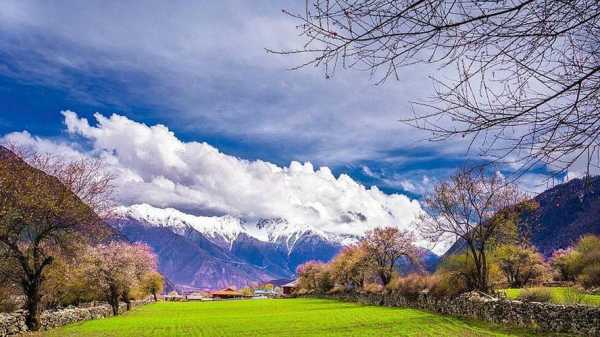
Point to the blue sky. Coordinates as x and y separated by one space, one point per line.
202 71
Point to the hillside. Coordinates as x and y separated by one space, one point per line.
101 230
565 213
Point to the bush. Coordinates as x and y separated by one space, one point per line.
413 285
535 295
590 275
373 288
314 277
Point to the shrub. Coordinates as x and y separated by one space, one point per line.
520 265
535 295
590 275
314 277
413 285
373 288
581 263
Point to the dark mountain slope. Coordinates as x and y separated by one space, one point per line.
565 213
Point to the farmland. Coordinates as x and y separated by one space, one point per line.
293 317
561 295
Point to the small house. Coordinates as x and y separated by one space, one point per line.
198 296
289 288
226 293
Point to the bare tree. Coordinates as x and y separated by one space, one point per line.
466 207
384 246
527 71
86 177
39 218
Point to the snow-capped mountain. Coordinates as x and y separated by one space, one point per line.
213 252
224 230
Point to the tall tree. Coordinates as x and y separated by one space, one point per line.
39 218
524 77
466 207
385 246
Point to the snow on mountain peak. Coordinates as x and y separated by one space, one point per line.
226 229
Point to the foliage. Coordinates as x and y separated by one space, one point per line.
247 291
468 207
314 277
520 265
459 273
565 262
350 267
580 263
535 295
117 269
40 218
152 283
66 284
281 318
413 285
384 246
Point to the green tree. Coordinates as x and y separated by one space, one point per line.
152 283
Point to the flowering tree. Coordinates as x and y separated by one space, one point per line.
384 246
351 267
117 268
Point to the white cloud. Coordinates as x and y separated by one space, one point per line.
156 167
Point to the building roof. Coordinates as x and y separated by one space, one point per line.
227 292
292 284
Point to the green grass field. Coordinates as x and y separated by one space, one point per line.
559 296
289 317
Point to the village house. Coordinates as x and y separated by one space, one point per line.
227 293
289 288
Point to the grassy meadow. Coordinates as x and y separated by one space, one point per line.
289 317
561 295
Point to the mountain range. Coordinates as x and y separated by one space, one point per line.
213 252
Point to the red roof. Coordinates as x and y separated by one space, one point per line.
226 292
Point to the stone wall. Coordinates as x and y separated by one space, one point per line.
574 319
14 323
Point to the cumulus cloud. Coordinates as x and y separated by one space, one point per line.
156 167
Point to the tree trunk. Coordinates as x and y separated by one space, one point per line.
155 298
113 300
126 299
33 297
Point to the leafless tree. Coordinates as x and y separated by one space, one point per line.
527 72
465 207
86 177
384 246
